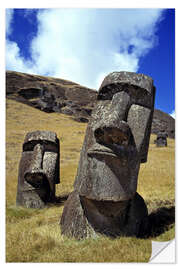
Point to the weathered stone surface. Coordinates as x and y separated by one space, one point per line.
115 218
51 94
85 218
47 102
129 79
38 169
30 90
74 222
161 140
116 142
140 119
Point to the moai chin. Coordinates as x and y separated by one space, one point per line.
38 169
161 140
104 199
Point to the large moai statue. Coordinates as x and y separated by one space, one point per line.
104 199
161 140
38 169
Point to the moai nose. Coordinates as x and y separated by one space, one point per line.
35 174
114 128
38 152
37 162
120 106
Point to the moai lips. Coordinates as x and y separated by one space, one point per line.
116 142
38 169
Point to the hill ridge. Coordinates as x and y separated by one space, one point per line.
63 96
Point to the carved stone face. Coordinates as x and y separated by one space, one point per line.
38 169
117 138
161 139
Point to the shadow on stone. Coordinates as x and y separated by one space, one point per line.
157 222
59 200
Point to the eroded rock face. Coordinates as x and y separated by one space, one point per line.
161 140
30 89
38 169
51 94
116 142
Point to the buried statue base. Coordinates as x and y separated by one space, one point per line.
84 218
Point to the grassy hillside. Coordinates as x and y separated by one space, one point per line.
33 235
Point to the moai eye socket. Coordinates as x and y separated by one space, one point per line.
29 146
50 146
109 91
47 145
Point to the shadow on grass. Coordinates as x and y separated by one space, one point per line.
157 222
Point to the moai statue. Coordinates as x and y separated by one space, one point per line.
161 140
38 169
104 199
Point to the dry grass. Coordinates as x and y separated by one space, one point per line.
36 233
157 176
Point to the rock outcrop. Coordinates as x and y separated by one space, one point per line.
163 121
57 95
51 94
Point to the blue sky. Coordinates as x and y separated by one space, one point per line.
84 45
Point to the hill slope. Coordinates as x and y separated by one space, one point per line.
57 95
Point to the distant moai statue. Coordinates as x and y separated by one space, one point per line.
38 169
104 199
161 140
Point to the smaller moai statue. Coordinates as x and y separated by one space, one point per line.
161 140
38 169
105 198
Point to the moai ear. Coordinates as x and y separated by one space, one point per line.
139 120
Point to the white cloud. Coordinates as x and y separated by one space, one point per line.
84 45
9 16
14 59
173 114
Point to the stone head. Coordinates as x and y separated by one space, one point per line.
38 169
117 138
161 138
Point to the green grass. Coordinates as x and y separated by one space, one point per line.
33 235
